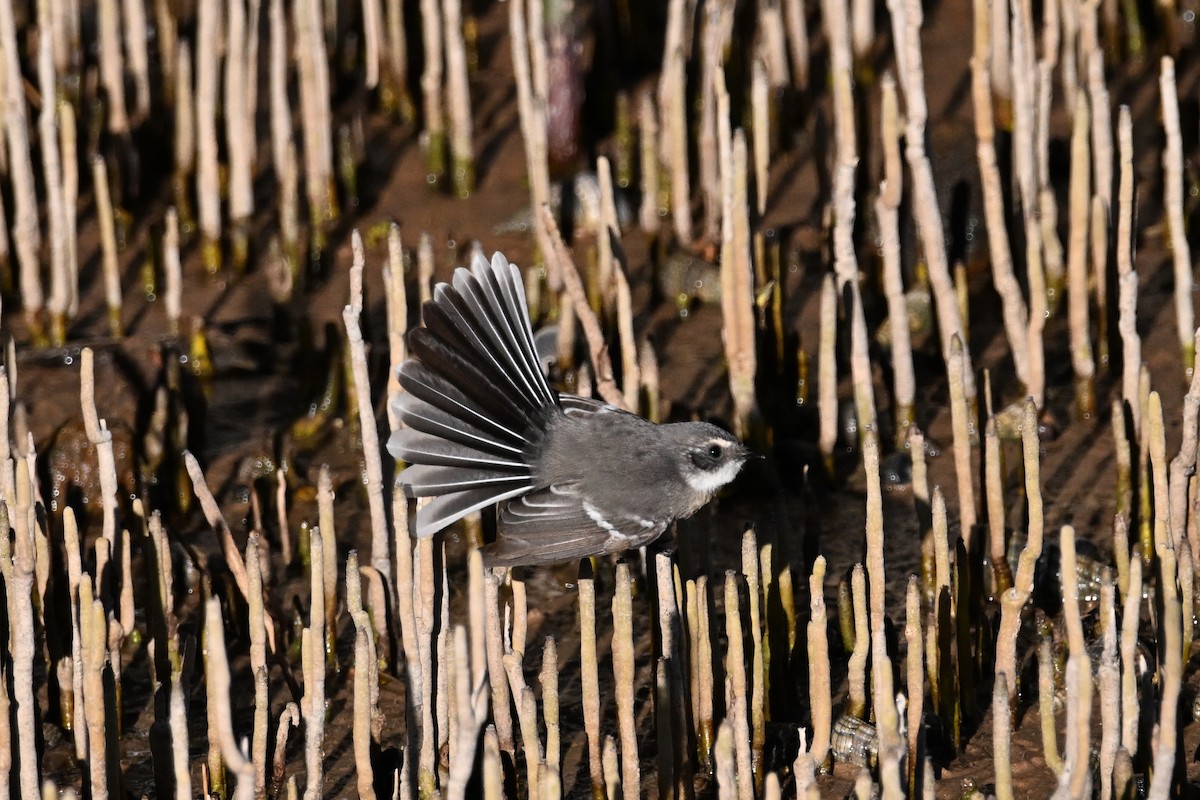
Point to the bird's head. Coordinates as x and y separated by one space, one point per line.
707 457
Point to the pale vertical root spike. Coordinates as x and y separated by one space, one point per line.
958 364
1109 682
471 704
218 682
313 67
314 676
380 555
501 698
1173 204
589 677
229 549
68 136
994 496
258 665
906 26
1078 294
827 401
856 671
737 295
761 130
288 719
1001 58
424 591
328 527
1012 302
493 770
112 67
1170 622
239 133
396 300
108 241
458 97
1099 271
1002 738
549 681
92 626
364 676
61 276
615 271
1031 459
531 108
1046 697
860 363
74 559
675 710
714 126
820 693
758 673
25 231
208 191
876 575
649 162
441 653
706 683
798 45
1130 708
672 105
914 674
24 645
726 763
1126 278
624 674
737 698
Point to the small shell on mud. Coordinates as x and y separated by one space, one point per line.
855 742
1090 565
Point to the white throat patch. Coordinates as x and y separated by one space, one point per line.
706 482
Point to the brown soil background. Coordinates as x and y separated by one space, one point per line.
256 388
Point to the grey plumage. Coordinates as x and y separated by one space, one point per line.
575 477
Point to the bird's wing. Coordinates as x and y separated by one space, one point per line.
557 524
575 406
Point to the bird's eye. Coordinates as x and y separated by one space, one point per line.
714 451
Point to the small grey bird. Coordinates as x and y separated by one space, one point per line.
575 477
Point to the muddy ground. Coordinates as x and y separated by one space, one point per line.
260 388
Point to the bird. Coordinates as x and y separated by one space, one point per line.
572 476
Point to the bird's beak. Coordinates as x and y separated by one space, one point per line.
745 453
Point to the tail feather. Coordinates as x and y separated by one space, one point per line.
449 508
477 403
431 480
454 320
485 389
416 447
513 335
432 398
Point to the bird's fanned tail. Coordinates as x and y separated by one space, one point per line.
476 402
